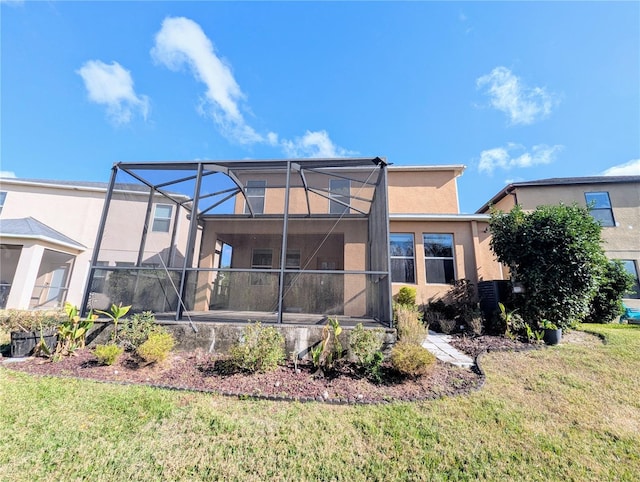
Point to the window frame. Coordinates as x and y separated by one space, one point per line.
403 257
338 194
99 277
604 221
3 199
158 220
257 208
451 258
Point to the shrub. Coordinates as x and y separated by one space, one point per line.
259 349
555 252
412 360
366 347
135 330
157 347
406 296
107 354
447 325
25 320
409 324
606 304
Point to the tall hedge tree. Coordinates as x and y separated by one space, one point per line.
555 252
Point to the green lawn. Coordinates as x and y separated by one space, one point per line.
570 412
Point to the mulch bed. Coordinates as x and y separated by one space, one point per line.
199 371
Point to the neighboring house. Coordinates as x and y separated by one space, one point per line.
47 234
613 200
353 232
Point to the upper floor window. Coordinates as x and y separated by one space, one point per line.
339 189
438 258
402 258
600 206
255 196
3 197
162 218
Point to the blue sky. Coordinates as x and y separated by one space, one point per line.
514 91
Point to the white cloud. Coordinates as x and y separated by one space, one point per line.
181 42
631 168
523 105
111 85
7 174
315 144
507 157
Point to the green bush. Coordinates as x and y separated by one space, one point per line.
606 304
107 354
366 347
409 324
406 296
259 349
412 360
135 330
157 347
556 253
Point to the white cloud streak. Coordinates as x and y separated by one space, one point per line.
315 144
181 42
8 174
631 168
507 93
511 156
111 85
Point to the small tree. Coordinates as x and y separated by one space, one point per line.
606 305
556 253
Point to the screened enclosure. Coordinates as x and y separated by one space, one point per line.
290 238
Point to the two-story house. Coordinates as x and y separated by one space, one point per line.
301 237
612 200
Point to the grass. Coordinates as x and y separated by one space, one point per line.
570 412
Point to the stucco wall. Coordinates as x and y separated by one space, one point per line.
423 191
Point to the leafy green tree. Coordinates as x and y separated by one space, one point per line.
606 304
555 252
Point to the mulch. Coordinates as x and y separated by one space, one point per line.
201 371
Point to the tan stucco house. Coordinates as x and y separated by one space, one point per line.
354 231
613 200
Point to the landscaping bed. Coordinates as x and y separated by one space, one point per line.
199 371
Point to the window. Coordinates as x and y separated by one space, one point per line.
632 269
438 258
293 259
261 259
600 207
162 218
339 190
3 197
402 260
255 196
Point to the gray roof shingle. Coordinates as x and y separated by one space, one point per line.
32 228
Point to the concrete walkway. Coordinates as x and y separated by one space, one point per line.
438 344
